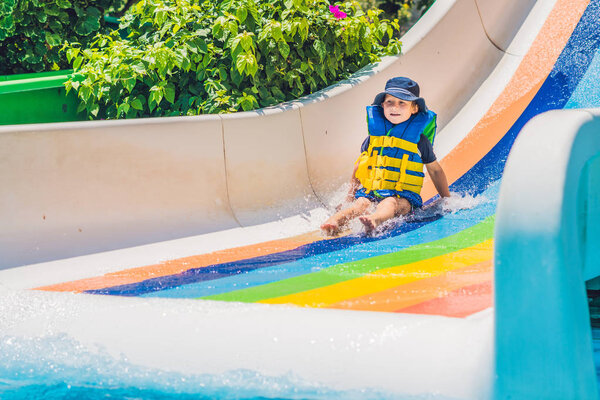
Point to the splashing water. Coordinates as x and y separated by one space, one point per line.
56 367
456 202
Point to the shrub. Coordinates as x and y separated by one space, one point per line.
406 11
185 57
33 31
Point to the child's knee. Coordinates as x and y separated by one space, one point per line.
362 202
403 206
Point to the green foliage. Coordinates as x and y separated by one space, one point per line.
33 31
188 57
406 11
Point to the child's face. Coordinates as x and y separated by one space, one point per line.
397 110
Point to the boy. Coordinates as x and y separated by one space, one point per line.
389 171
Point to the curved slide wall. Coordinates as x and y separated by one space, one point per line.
80 188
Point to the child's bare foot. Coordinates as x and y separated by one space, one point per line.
368 222
330 229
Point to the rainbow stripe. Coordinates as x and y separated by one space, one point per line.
433 264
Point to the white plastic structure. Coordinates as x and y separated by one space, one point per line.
545 251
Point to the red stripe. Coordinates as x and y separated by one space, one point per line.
459 303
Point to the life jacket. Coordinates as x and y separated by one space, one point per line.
392 163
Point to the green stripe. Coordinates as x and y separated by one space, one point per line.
347 271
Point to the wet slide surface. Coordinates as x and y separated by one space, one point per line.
437 261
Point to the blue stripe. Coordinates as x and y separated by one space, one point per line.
587 93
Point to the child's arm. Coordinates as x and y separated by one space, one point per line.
438 177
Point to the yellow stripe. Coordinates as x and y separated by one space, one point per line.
402 171
388 141
395 177
388 278
397 163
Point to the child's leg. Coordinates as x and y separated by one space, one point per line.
388 208
335 222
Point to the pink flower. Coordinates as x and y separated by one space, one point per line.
335 10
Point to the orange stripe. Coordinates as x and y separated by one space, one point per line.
518 93
459 303
179 265
419 291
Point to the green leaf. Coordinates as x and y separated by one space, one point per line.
53 39
321 49
236 46
64 3
277 93
276 31
151 104
253 11
93 109
200 45
320 68
170 93
156 94
52 10
200 74
123 109
137 104
242 13
246 41
84 93
236 77
77 62
160 17
270 70
232 26
241 62
366 44
284 49
248 102
303 28
88 25
263 92
252 67
129 83
222 73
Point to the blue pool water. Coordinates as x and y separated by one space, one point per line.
596 342
56 367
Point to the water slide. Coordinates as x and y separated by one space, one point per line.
189 246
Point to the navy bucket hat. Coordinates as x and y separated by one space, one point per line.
404 89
